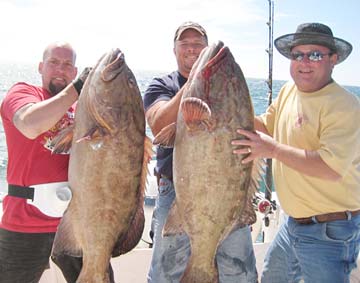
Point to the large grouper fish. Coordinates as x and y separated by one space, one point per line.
214 190
107 171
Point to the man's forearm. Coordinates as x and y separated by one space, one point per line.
163 113
35 119
306 162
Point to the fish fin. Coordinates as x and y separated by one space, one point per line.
257 173
166 137
94 133
173 224
196 113
131 238
65 241
61 143
148 154
95 137
128 241
248 216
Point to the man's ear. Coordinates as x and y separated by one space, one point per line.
40 67
334 59
75 72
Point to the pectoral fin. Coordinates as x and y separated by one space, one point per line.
196 113
166 137
93 134
63 140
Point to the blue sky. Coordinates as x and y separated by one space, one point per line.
144 30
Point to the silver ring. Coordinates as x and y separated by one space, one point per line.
249 149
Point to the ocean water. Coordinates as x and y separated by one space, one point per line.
10 74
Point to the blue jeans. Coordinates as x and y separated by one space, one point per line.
321 252
235 256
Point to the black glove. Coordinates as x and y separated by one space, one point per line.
79 82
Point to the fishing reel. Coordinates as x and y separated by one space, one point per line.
264 206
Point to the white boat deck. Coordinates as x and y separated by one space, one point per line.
133 267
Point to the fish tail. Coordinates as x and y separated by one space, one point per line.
94 272
86 278
195 275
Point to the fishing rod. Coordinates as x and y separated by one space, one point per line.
269 50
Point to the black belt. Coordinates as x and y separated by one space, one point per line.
343 215
21 192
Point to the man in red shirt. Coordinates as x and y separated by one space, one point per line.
32 116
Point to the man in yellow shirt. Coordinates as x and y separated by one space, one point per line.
310 132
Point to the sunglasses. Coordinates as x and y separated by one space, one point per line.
313 56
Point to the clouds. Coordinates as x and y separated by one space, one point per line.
144 29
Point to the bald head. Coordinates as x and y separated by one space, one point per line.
58 44
57 68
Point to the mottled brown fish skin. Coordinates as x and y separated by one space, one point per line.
107 170
211 184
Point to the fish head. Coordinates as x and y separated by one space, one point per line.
219 84
216 60
111 82
213 73
110 97
207 57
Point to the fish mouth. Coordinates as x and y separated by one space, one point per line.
214 49
114 65
218 52
210 57
115 54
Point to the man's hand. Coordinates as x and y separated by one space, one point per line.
256 145
79 82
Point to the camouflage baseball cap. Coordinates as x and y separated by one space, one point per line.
189 25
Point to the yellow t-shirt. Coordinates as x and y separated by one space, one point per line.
326 121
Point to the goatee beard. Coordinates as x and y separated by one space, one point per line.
55 89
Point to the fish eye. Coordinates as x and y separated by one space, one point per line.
132 82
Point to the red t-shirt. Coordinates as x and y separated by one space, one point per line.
30 162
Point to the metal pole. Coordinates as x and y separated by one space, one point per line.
270 24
